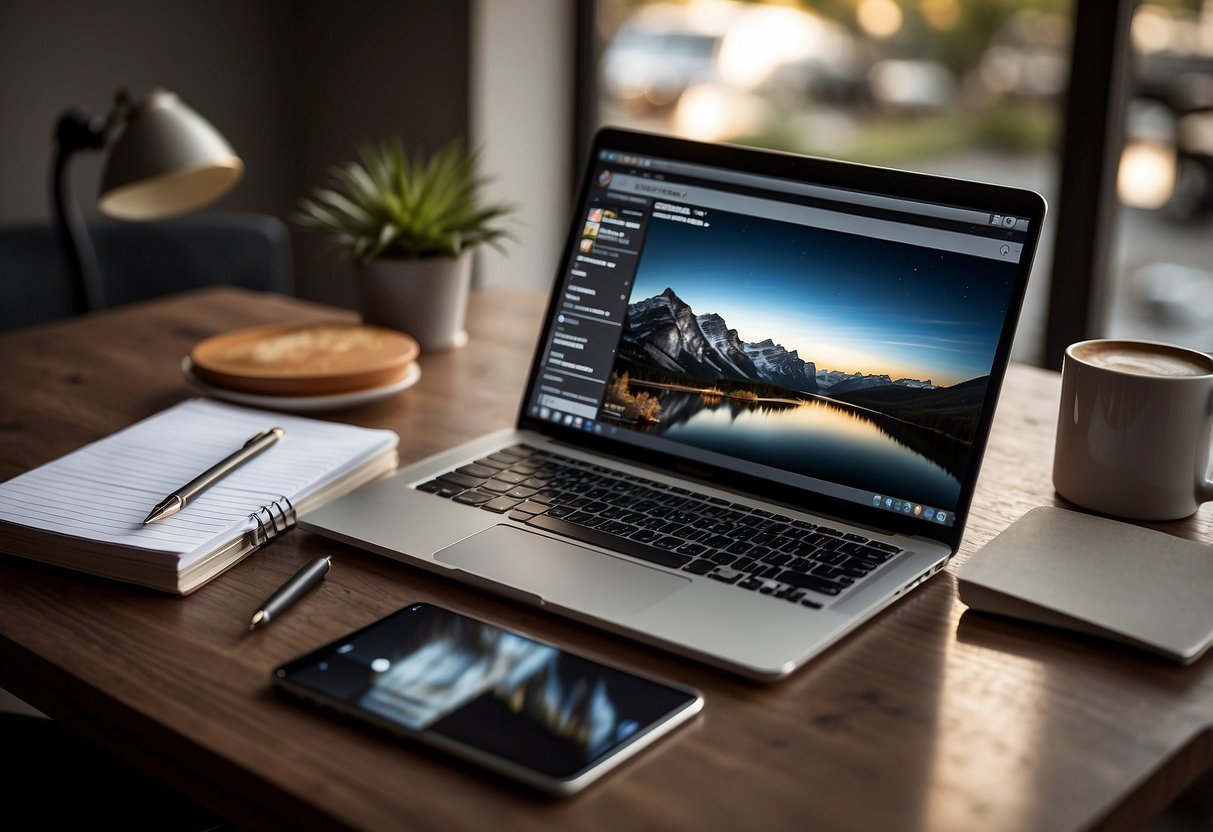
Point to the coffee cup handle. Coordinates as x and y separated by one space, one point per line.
1204 485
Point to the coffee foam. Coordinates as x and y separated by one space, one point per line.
1143 359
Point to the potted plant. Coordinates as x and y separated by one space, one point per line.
409 224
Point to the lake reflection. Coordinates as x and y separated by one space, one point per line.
816 438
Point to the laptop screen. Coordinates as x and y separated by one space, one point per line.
827 334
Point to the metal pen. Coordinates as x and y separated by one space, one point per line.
291 591
180 498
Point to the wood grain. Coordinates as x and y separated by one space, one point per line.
929 717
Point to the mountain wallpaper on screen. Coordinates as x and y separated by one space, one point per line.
664 331
665 340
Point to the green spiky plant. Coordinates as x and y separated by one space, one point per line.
388 203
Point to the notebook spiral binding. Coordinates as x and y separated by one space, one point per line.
273 520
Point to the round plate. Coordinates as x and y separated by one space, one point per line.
304 359
302 404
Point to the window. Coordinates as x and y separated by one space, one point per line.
969 88
1160 284
966 88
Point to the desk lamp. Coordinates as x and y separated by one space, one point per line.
164 160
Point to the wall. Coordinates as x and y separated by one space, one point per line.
61 53
363 72
293 85
522 122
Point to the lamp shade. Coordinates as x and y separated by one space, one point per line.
167 161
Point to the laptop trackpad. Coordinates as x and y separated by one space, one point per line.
561 572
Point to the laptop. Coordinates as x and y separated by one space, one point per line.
755 414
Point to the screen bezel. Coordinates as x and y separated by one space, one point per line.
830 173
690 702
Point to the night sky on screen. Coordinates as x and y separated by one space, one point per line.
843 301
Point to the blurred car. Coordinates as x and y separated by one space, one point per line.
663 50
1028 57
911 85
659 52
1173 82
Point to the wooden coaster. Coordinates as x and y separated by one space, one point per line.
308 359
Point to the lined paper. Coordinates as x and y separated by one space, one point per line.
104 490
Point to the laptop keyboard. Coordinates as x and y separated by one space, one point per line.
756 550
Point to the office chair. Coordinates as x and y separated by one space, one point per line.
140 261
137 261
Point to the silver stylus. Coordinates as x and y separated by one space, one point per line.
178 500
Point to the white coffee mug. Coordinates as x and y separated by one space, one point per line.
1133 429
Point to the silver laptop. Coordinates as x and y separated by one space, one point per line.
756 412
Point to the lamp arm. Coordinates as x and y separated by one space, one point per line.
77 131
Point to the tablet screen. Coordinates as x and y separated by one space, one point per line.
525 707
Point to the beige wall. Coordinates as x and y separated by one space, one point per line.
522 121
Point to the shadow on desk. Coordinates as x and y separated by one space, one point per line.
1023 638
64 782
1192 809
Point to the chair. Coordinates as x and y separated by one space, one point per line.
139 261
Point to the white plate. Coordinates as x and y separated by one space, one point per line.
302 404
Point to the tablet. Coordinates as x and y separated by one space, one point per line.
523 708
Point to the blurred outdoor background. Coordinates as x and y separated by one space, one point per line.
968 88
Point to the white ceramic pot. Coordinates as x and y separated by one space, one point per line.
425 298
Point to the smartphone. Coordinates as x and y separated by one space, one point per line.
518 706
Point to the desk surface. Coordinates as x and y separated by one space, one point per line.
927 718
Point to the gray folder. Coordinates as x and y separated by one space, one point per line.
1098 576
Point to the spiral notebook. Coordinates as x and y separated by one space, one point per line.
85 510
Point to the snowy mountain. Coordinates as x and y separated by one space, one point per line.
664 331
835 381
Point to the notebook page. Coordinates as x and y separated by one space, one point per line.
104 490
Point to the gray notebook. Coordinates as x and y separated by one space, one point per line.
1097 576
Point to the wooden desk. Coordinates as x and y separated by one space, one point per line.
927 718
